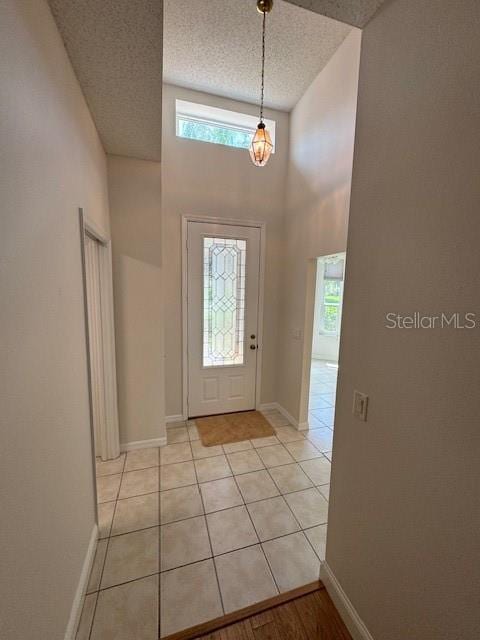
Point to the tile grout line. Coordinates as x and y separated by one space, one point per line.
198 485
286 502
159 605
96 593
256 449
108 538
247 546
238 505
284 464
120 584
245 505
313 486
125 533
209 537
302 530
107 475
255 529
233 476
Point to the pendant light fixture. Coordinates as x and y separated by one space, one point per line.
261 145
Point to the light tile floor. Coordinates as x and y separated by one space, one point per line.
323 386
188 533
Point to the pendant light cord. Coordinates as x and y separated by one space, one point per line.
263 67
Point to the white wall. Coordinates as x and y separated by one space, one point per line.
322 128
135 207
404 518
214 180
51 163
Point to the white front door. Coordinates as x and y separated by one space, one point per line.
223 265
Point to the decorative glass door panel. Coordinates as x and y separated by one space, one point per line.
223 301
222 307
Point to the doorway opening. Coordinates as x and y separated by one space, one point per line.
327 315
99 326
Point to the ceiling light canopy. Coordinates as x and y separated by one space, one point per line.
261 145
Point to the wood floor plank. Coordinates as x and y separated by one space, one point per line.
320 618
308 616
289 622
268 631
307 609
261 619
239 631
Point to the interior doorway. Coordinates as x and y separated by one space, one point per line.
327 317
222 307
98 291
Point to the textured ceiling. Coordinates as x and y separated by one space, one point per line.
115 47
354 12
215 46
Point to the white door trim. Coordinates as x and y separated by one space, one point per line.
109 445
229 222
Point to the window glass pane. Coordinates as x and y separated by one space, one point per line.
332 291
223 301
216 133
330 319
220 126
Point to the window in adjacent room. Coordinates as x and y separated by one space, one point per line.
332 293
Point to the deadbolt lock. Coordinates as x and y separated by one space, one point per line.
253 336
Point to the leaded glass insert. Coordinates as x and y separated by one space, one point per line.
223 301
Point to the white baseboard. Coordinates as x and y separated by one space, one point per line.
268 405
288 416
77 604
175 418
345 608
301 426
143 444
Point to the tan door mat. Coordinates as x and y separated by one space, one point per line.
233 427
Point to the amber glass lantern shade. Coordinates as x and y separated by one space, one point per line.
261 146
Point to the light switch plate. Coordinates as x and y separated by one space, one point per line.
360 404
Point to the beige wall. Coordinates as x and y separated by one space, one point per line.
213 180
51 163
322 129
135 206
404 522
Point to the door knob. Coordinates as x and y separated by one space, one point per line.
253 346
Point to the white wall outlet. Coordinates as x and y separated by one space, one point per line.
360 404
297 334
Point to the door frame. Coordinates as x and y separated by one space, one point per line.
310 289
109 446
261 279
309 319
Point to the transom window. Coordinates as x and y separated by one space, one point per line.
218 126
